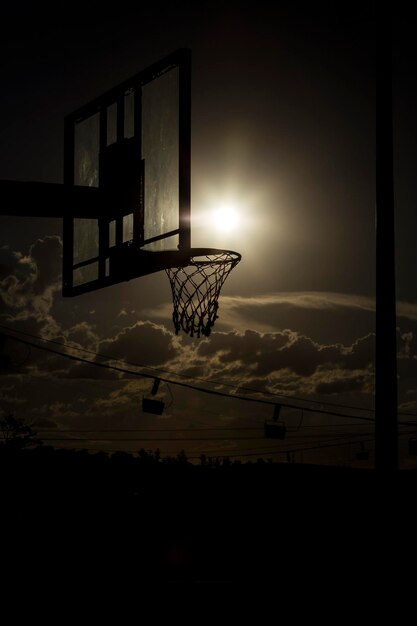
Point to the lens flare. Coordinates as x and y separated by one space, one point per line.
226 218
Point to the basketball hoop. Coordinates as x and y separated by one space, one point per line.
196 289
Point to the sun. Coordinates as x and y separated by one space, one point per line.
225 218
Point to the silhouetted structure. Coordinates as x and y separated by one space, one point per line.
386 427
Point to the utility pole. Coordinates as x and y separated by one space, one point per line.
386 422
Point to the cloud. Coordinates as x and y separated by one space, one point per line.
59 410
46 255
82 335
346 382
270 311
125 399
304 300
283 360
43 422
8 262
407 310
28 290
285 363
260 312
265 353
11 396
143 343
85 371
316 311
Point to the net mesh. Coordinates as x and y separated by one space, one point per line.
196 289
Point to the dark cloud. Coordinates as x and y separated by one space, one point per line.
8 262
143 343
27 293
282 361
82 335
43 422
406 344
301 355
236 346
361 353
46 255
265 353
344 385
78 371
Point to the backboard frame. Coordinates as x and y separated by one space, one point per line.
133 195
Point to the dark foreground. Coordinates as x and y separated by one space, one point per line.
145 520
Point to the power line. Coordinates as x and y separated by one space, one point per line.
170 439
181 430
292 434
196 388
235 453
188 377
40 429
183 384
248 452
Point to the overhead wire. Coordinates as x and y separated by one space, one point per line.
180 375
184 384
190 386
236 453
170 439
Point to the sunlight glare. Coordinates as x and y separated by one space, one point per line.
225 218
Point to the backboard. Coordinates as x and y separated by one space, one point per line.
132 144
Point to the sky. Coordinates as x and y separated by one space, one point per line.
283 132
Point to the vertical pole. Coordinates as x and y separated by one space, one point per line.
103 222
139 213
68 222
386 427
120 137
185 150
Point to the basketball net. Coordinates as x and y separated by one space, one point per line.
196 289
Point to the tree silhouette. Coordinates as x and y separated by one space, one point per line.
16 433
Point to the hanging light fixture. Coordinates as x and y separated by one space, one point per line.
151 405
276 429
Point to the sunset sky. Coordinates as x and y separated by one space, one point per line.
283 136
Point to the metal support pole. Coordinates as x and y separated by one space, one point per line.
386 426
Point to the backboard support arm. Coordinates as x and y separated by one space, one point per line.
53 200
